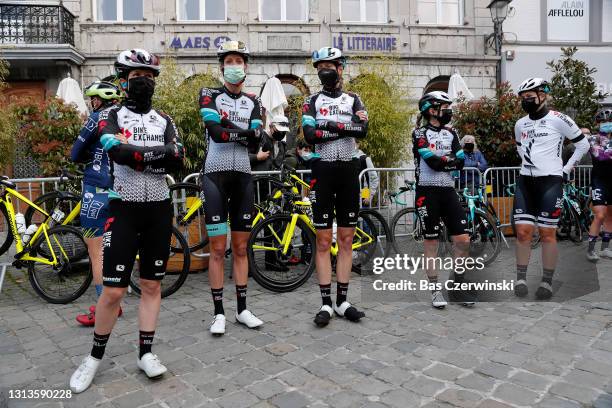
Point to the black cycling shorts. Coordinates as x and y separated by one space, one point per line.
601 189
440 203
538 200
132 228
227 191
334 186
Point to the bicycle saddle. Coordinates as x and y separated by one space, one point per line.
4 180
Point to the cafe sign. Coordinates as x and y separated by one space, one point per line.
199 42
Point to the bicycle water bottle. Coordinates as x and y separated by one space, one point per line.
29 233
21 224
334 231
56 217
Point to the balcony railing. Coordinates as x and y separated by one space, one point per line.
27 24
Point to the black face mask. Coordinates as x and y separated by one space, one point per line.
530 105
445 116
468 147
328 77
140 92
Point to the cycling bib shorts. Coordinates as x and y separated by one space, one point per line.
601 189
334 186
440 203
538 200
94 210
228 192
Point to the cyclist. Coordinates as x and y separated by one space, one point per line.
437 152
143 145
96 183
601 186
539 139
233 122
331 121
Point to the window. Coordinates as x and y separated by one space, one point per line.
363 11
439 83
606 18
283 10
119 10
210 10
441 12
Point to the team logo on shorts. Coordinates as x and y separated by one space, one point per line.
159 262
351 214
216 218
120 268
325 216
246 217
518 211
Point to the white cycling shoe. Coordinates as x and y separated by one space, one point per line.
84 374
150 364
248 319
217 327
437 300
606 253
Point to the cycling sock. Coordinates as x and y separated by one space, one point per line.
241 291
548 275
146 342
341 292
99 345
99 290
326 294
592 241
521 272
605 240
457 277
433 280
217 295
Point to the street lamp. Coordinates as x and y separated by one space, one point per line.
499 12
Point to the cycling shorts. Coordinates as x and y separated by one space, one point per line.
94 210
538 200
143 228
440 203
334 186
601 190
227 192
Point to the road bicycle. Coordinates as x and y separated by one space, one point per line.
56 256
63 206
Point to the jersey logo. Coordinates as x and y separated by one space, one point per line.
206 100
225 136
324 111
419 201
126 133
556 213
422 142
341 126
225 114
305 108
319 133
138 156
108 223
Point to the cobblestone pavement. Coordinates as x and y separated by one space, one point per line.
404 354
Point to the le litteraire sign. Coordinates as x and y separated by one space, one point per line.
362 42
568 20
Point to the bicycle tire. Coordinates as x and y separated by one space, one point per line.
49 201
398 232
382 229
265 278
569 221
167 290
6 232
180 207
78 261
491 231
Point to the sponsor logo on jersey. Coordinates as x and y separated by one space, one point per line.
206 100
419 201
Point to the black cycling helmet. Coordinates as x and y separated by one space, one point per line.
433 100
604 115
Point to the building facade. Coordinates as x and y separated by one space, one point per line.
432 38
535 31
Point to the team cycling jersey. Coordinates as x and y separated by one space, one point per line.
88 149
539 142
153 149
437 152
601 153
330 123
232 121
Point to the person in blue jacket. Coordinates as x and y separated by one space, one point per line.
97 182
473 158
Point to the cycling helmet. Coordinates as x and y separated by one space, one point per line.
328 54
604 115
233 47
103 90
137 58
433 99
534 84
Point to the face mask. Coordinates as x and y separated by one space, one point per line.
328 77
530 105
468 147
446 115
234 74
606 127
140 90
306 156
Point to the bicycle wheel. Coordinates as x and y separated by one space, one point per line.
372 232
177 268
569 224
485 238
6 234
70 278
271 268
193 229
65 202
408 233
535 238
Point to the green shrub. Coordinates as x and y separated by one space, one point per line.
8 123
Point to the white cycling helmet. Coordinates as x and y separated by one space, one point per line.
534 84
433 99
136 58
233 47
328 54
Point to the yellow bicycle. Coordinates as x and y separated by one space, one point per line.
56 255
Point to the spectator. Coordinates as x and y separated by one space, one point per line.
473 158
370 179
301 158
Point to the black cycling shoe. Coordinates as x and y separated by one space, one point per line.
520 288
544 292
324 316
465 298
350 312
